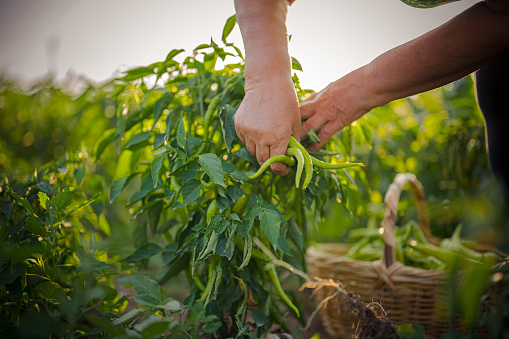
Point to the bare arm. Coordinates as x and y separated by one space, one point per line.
447 53
269 113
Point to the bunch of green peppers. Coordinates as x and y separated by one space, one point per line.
413 249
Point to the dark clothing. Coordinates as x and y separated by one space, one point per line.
492 85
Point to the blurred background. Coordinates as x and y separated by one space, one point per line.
99 39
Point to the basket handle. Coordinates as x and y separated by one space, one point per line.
391 213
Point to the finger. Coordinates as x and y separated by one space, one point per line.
315 122
278 167
251 147
325 134
262 154
307 109
240 136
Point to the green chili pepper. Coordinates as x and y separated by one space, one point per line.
308 163
277 158
208 288
326 165
279 289
240 205
211 210
295 152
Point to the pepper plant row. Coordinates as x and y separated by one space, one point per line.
202 201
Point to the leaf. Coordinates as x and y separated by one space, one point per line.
296 64
187 171
227 125
161 105
62 200
79 174
270 225
116 187
296 234
170 304
259 317
222 203
106 138
181 133
49 290
145 285
134 312
155 168
144 252
234 192
43 199
138 141
411 331
137 73
23 202
173 53
246 256
228 27
159 141
33 225
211 164
146 299
189 192
282 244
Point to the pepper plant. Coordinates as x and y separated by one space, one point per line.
198 201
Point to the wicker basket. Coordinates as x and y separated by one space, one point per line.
408 294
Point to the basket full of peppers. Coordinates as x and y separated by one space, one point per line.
405 270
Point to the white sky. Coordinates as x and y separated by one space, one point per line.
100 37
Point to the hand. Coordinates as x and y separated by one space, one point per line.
333 108
266 118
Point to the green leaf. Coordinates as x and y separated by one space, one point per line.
187 171
296 64
79 174
138 141
107 137
145 285
248 248
43 199
282 244
159 141
173 53
132 313
259 317
146 299
155 169
411 331
234 192
181 134
138 73
211 164
228 27
116 187
189 192
227 125
161 105
144 252
170 304
296 234
62 200
33 225
270 225
23 202
49 290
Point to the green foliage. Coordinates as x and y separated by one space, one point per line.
178 207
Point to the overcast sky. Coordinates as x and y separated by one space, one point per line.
99 38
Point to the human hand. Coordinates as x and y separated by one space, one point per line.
331 109
266 118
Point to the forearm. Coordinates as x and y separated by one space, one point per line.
263 27
451 51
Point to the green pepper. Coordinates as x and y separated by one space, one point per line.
279 289
308 164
